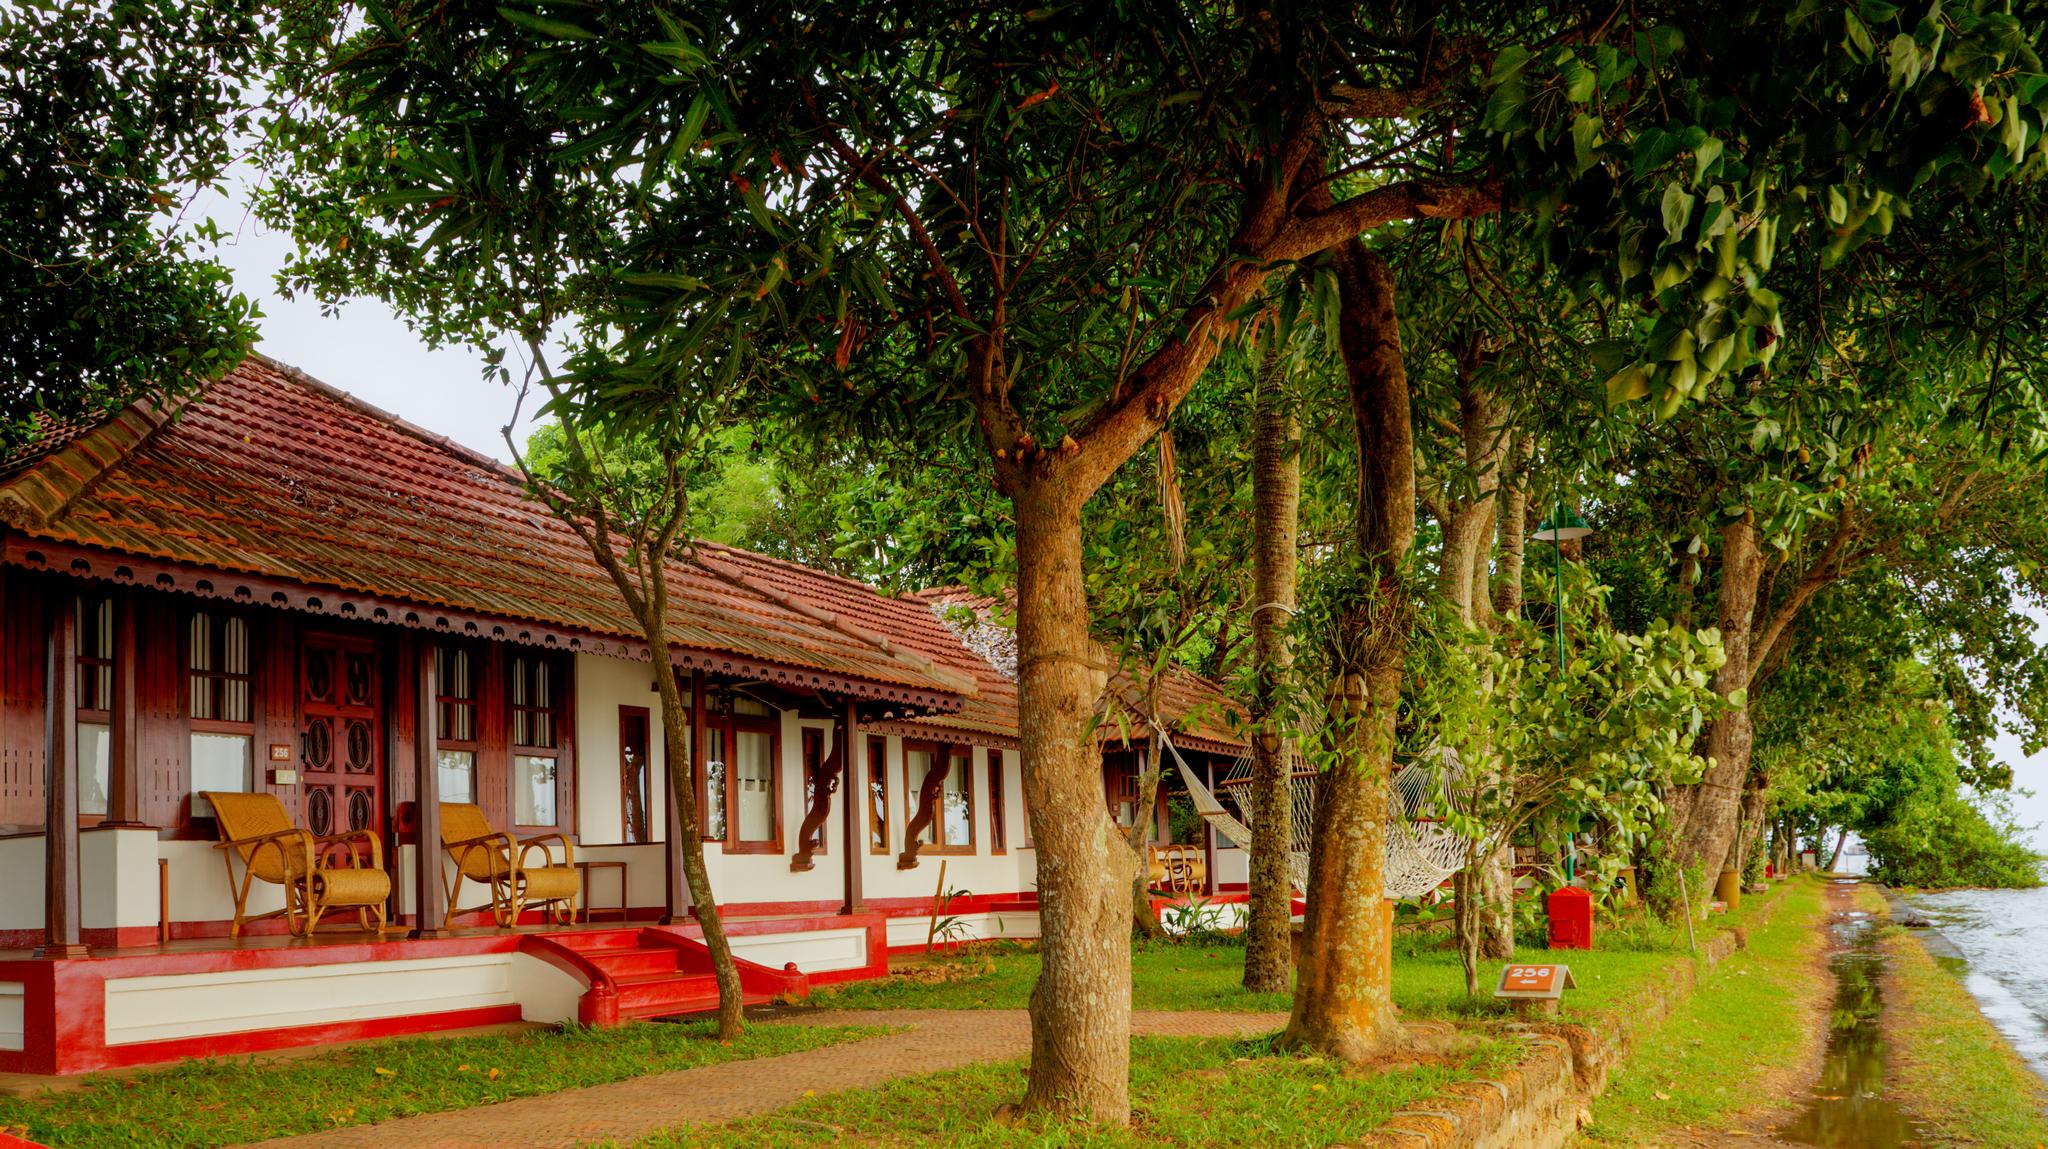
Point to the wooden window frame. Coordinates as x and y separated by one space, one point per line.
733 726
556 713
444 701
877 775
938 844
998 832
809 737
98 671
94 668
216 679
646 717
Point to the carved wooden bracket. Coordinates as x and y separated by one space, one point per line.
927 809
824 783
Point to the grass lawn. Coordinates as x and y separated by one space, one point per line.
1428 981
1948 1065
208 1103
1710 1059
1184 1092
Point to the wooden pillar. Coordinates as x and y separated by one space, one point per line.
124 757
430 916
60 785
1209 837
677 907
853 786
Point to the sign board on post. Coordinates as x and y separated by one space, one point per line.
1539 983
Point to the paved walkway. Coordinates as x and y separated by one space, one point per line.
626 1111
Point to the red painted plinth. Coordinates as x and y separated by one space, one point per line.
1571 919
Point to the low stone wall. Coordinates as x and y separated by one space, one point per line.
1542 1100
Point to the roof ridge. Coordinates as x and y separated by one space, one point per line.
42 490
963 683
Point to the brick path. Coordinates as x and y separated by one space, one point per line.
625 1111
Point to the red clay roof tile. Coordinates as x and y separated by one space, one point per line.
268 472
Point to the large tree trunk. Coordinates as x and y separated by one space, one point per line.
1144 918
1485 892
1497 876
1343 1000
1081 1006
1276 505
1703 816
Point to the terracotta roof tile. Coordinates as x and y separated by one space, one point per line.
268 472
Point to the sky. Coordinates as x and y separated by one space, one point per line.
366 349
369 352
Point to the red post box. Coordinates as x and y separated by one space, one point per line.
1571 919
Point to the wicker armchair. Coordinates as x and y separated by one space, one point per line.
491 858
256 829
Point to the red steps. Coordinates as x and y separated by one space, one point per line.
639 972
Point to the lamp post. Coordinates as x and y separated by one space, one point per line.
1562 525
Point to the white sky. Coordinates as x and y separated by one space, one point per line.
368 351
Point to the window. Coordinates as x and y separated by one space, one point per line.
753 778
636 776
219 705
878 795
814 756
95 643
998 833
219 668
455 714
952 827
536 739
711 791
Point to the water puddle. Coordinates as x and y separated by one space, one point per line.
1848 1109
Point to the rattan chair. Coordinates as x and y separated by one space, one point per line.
492 858
256 829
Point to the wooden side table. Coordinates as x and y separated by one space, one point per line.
589 911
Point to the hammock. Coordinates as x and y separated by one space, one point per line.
1421 852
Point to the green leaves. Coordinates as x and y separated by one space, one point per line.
546 26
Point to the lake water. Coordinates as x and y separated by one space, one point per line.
2003 936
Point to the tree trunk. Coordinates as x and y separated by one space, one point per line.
1144 919
1343 1000
1276 505
1485 893
677 717
1704 815
1751 822
1835 855
1081 1006
1497 878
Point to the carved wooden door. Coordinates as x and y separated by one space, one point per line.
341 736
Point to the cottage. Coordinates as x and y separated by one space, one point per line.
276 590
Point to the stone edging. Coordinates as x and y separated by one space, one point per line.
1541 1101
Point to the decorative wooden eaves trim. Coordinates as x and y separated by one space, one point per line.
83 562
934 731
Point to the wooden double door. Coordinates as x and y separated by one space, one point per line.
341 735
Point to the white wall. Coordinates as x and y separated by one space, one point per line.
157 1008
603 685
117 880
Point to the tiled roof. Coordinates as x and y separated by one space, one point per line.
1190 707
270 473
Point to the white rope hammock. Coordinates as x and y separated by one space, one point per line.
1421 852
